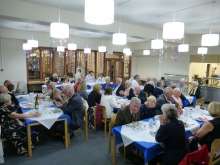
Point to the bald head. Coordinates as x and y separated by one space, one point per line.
3 89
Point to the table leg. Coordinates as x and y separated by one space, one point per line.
145 158
113 149
66 135
29 141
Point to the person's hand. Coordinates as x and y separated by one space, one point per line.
34 114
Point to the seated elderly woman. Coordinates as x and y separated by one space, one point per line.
12 129
149 108
171 135
109 102
177 97
210 129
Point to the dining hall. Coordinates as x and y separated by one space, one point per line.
109 82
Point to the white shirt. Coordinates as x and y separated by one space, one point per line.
110 103
134 84
78 76
100 80
90 78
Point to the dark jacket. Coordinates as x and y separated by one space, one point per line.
131 94
121 88
74 108
162 100
196 93
124 117
172 137
147 112
94 98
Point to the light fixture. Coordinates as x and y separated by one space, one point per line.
127 51
146 52
157 44
87 50
173 30
60 48
59 30
183 48
102 49
119 39
210 40
99 12
71 46
33 43
202 50
26 46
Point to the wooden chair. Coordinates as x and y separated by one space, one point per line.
85 120
111 125
215 153
105 120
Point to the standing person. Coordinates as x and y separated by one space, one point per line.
171 135
119 90
78 74
135 81
90 78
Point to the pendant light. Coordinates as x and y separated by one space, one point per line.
183 48
99 12
173 30
210 39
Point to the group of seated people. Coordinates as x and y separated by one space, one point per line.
146 100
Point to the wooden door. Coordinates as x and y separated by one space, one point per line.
114 68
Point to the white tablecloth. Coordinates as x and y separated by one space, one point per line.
145 131
48 116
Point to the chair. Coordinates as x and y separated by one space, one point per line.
215 153
111 124
85 119
199 157
100 111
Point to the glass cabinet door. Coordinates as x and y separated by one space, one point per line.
58 63
33 65
47 62
70 62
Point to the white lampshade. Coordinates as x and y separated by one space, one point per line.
157 44
26 46
59 30
202 50
102 49
119 39
146 52
33 43
210 40
60 48
173 30
71 46
127 51
183 48
99 12
87 50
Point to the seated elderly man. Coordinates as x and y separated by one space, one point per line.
165 98
73 107
129 113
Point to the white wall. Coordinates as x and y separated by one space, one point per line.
12 61
154 66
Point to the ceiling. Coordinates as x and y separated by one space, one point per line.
39 27
199 15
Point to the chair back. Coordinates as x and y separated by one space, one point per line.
215 153
99 115
199 157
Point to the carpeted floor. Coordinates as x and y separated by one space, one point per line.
52 152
